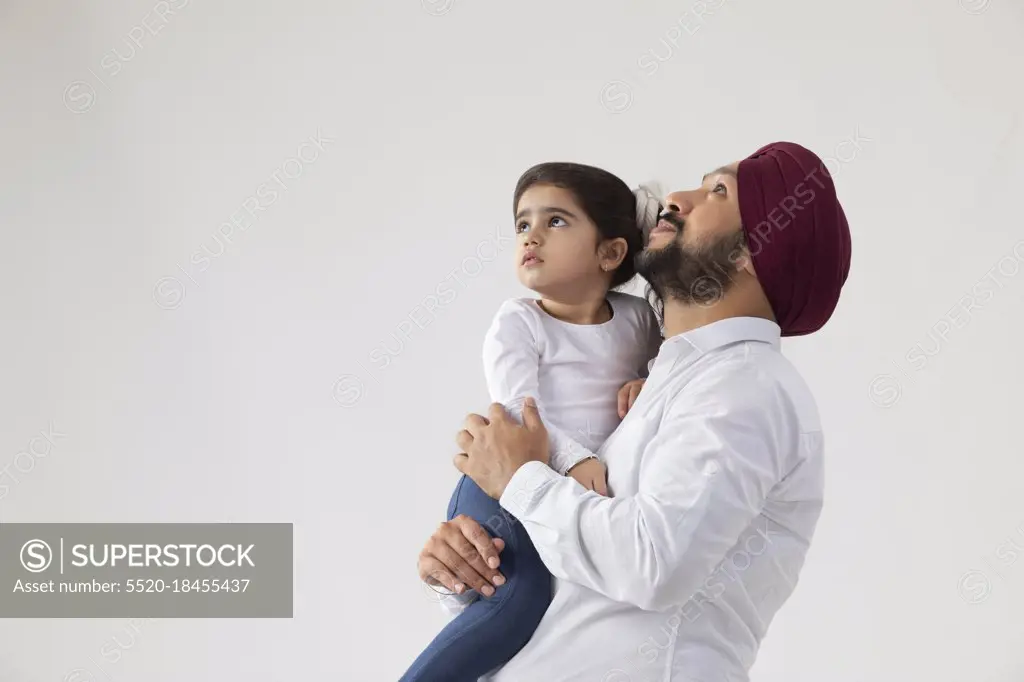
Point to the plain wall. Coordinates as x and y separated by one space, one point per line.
252 386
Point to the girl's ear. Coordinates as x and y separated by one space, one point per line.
612 253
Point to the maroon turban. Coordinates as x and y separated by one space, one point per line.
797 234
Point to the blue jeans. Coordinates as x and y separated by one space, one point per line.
491 630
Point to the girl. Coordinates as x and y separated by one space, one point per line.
581 350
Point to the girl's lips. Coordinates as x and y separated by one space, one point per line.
531 259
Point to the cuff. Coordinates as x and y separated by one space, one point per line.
525 486
454 604
566 458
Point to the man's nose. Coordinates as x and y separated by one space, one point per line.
680 202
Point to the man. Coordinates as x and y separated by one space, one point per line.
715 474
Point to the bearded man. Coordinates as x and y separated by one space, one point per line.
715 474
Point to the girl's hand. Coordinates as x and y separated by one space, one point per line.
592 474
628 395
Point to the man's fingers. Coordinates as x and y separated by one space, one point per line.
472 555
497 413
473 544
464 439
474 424
624 401
433 573
461 461
499 544
480 539
453 562
531 415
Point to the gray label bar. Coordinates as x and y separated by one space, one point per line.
146 570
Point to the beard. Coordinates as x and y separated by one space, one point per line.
692 275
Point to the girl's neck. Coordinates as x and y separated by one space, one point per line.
587 309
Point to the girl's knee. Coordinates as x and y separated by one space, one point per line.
525 574
527 595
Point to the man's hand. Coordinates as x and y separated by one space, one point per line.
592 475
628 394
461 553
493 449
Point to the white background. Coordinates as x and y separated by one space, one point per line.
216 396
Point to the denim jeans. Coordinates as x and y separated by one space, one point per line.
492 629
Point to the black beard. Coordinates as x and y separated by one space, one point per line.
691 275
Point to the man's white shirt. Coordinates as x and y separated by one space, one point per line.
716 476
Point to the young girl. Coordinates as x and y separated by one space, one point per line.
581 350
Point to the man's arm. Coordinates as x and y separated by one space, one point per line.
703 479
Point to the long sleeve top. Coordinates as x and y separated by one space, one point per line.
573 372
717 479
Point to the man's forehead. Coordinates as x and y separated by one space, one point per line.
728 169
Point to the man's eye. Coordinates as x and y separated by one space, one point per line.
719 186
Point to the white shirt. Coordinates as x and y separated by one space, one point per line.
717 482
573 371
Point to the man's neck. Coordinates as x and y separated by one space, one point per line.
685 317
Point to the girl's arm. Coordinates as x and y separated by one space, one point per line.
512 367
630 391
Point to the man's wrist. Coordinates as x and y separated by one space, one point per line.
521 490
518 466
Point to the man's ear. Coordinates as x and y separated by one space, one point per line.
746 264
741 260
613 252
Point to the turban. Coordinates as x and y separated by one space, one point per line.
797 234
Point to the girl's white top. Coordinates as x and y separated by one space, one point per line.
573 371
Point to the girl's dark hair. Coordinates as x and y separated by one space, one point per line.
606 199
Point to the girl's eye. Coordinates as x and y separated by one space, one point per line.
556 218
522 227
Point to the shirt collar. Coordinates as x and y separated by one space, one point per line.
731 330
725 332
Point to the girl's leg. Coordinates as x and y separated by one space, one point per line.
491 630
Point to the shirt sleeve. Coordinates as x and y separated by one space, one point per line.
703 479
512 369
454 604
